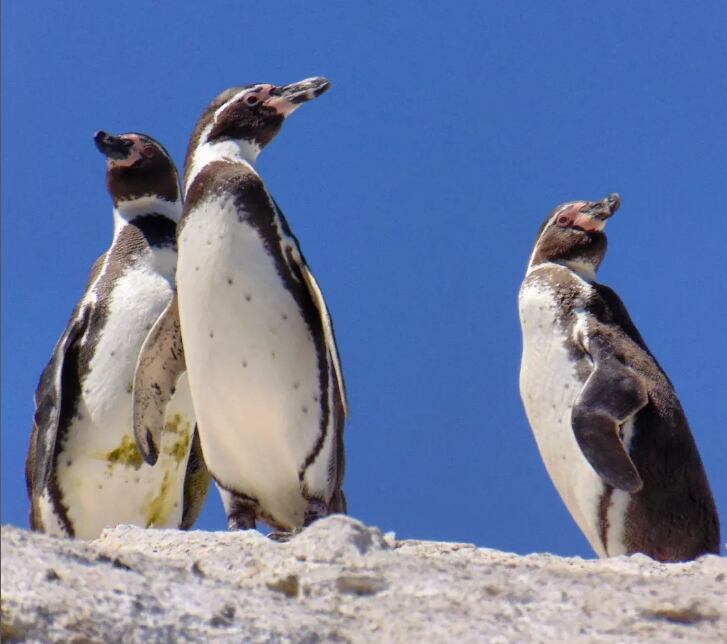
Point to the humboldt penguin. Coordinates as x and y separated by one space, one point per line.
84 472
607 421
250 327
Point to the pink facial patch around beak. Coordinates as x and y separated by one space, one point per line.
589 223
569 214
134 156
281 105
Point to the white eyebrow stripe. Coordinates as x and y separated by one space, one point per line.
234 98
226 103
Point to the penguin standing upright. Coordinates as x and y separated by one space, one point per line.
84 472
608 424
252 326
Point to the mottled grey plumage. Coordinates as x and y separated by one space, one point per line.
608 423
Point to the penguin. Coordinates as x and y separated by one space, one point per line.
609 426
83 471
250 327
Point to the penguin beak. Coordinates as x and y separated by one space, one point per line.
288 98
114 147
593 215
602 210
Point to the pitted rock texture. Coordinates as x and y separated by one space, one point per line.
341 581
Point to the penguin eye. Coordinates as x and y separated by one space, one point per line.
148 151
563 220
252 99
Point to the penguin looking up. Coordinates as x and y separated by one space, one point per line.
251 328
84 472
607 421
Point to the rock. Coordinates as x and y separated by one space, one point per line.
341 581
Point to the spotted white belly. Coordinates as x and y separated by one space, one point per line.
251 360
549 385
101 474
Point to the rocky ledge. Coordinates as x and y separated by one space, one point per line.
341 581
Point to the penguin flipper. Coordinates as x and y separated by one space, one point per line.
338 504
330 337
160 363
48 402
612 394
340 404
196 484
300 268
303 274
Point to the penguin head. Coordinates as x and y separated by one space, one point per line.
573 235
137 166
241 121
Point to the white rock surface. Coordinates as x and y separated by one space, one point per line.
340 581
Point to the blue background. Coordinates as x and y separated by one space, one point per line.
416 186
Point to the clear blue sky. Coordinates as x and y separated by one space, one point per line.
416 186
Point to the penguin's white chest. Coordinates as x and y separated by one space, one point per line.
137 299
252 363
549 386
101 474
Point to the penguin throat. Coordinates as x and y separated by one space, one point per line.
584 270
129 209
231 150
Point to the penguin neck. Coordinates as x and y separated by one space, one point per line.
229 150
147 240
584 270
129 209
